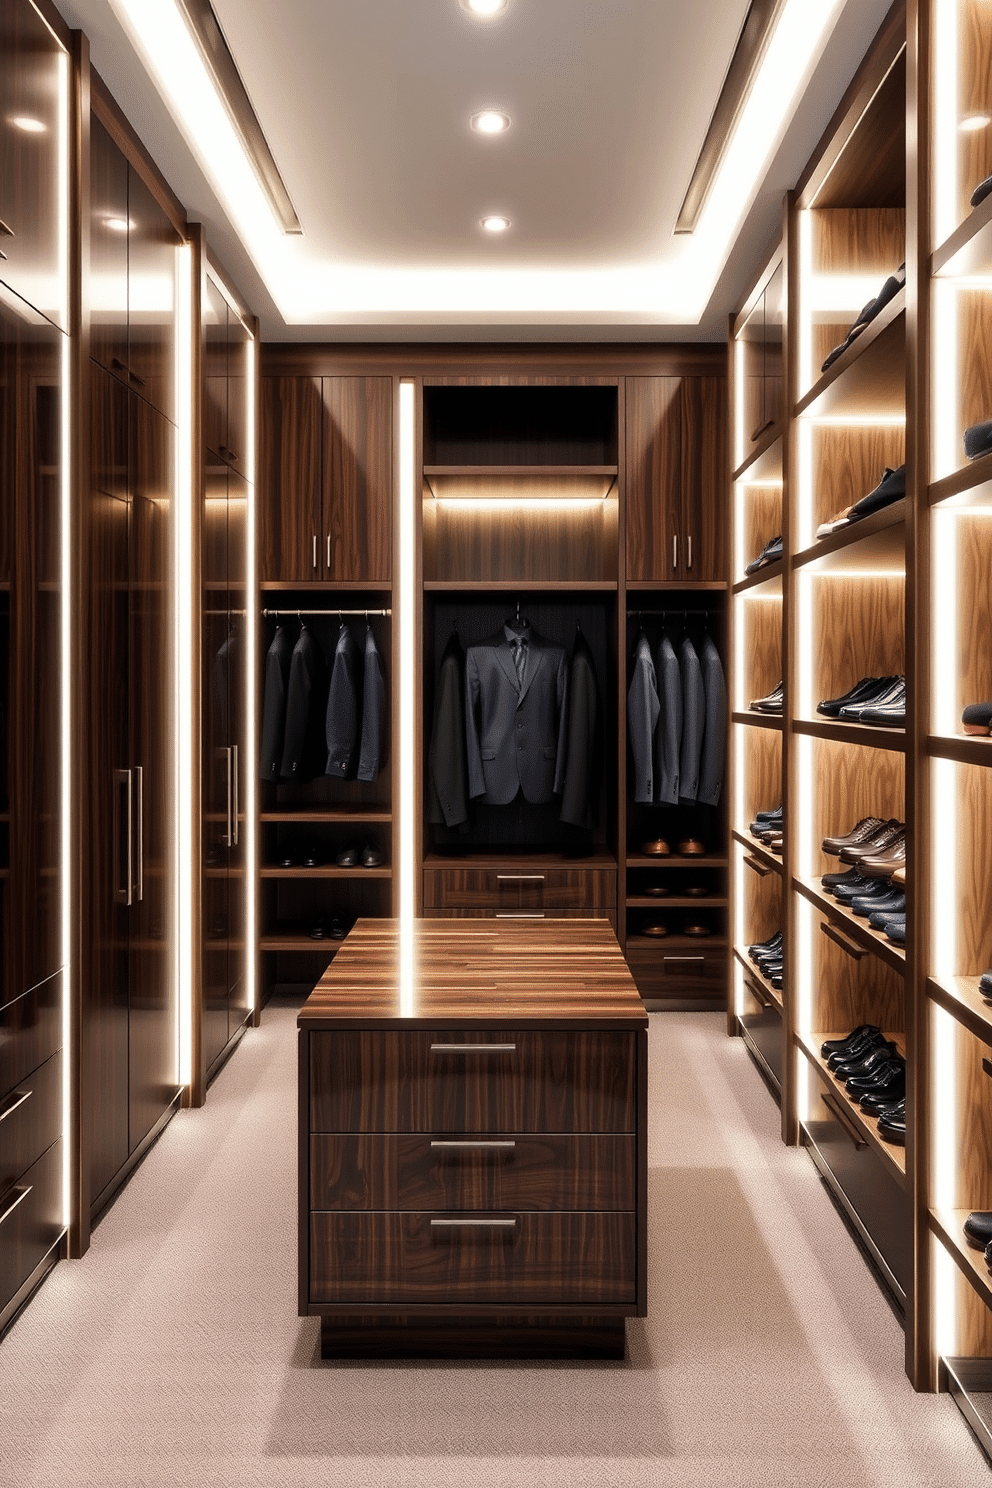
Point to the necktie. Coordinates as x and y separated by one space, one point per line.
519 649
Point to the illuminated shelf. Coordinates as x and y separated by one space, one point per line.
948 1226
968 250
870 374
675 901
876 542
867 735
641 860
894 1155
760 720
771 573
960 997
856 929
774 995
964 482
963 749
325 815
665 943
763 465
325 870
757 849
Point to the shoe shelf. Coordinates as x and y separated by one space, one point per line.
642 860
759 720
661 902
770 576
325 870
870 374
860 1122
288 941
967 252
948 1226
973 482
326 815
763 855
763 464
876 542
866 735
962 749
960 997
772 995
855 929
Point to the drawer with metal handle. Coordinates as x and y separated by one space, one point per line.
30 1032
522 892
30 1120
30 1221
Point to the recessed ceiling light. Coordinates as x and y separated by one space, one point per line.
118 224
495 224
484 8
29 125
490 121
974 122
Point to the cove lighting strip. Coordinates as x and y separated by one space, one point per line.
675 286
186 865
945 115
66 618
250 774
405 665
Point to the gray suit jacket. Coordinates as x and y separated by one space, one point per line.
714 749
668 734
373 751
693 720
343 720
514 733
642 719
277 664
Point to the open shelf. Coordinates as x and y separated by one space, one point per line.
948 1226
963 749
871 373
521 586
968 250
764 463
960 997
772 861
770 574
326 870
641 860
774 995
661 902
894 1156
877 541
968 480
858 930
867 735
536 858
760 720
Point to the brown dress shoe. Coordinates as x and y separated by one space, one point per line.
696 930
657 848
691 848
654 927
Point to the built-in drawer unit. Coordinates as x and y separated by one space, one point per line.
30 1032
678 972
30 1121
514 891
30 1222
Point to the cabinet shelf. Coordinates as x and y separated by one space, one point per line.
641 860
758 849
960 997
520 586
491 860
326 815
877 541
773 994
760 720
763 465
864 734
771 574
948 1226
967 481
673 901
665 586
289 942
871 373
326 870
963 749
968 250
894 1156
857 929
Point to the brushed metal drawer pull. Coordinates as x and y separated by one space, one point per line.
694 959
856 952
520 914
17 1099
473 1224
472 1144
520 877
20 1194
759 868
472 1048
850 1130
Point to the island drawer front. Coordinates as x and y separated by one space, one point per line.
517 891
395 1171
532 1259
30 1120
422 1081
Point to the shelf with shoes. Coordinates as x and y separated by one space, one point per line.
762 857
758 371
963 998
864 1124
851 926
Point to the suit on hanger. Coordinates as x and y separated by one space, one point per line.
302 755
583 739
447 762
513 727
668 734
373 750
642 718
714 747
277 663
693 720
343 719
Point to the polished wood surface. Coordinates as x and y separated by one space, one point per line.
861 159
653 421
762 783
506 891
31 1120
356 478
289 520
375 1170
858 631
152 297
30 1032
527 1259
30 1221
576 542
849 461
704 461
760 614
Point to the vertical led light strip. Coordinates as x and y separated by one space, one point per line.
405 632
66 636
738 402
945 382
250 629
185 807
945 117
805 306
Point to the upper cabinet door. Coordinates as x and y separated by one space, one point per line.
654 474
240 418
357 471
108 252
705 474
290 529
151 306
214 315
34 84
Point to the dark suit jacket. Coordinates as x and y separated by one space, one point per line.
668 734
277 664
343 718
373 750
447 763
514 732
714 747
302 755
642 718
693 720
583 740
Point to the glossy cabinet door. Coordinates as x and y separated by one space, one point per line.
704 478
153 1068
356 478
34 83
237 527
216 763
151 298
290 528
108 252
214 313
109 841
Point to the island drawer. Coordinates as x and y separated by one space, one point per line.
512 891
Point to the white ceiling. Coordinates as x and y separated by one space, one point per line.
365 105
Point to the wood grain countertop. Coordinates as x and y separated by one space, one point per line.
504 973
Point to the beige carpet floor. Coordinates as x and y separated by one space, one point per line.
172 1354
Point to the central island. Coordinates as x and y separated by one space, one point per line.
473 1141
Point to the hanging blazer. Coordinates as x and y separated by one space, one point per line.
693 720
277 664
343 718
447 761
714 746
302 755
668 734
513 731
642 718
373 751
583 740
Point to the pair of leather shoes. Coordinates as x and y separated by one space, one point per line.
769 554
333 927
772 702
767 957
883 1085
891 488
893 284
656 848
369 855
874 847
882 900
891 1125
767 821
862 831
850 1040
885 704
862 694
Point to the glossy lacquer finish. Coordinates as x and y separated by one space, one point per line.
219 671
108 252
34 81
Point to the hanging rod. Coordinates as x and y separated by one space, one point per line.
327 614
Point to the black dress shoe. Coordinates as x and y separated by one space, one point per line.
890 1085
312 857
985 985
981 192
978 1228
288 861
338 927
977 718
833 881
895 929
862 692
372 855
860 832
858 1051
348 856
892 1127
978 439
841 1046
772 702
891 901
888 291
769 553
890 698
855 888
770 947
321 929
877 1080
873 1059
892 487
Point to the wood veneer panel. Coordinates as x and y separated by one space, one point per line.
762 622
468 542
289 498
869 242
848 462
847 991
762 511
654 414
516 890
858 631
33 1121
973 663
971 1183
973 811
152 297
850 783
392 1171
34 1226
974 67
705 459
108 251
357 478
763 908
974 340
575 1082
580 1259
762 777
869 165
30 1032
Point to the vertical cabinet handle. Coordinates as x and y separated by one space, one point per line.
328 552
315 550
234 791
139 833
229 834
675 552
122 837
688 555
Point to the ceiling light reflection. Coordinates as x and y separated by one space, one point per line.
490 121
